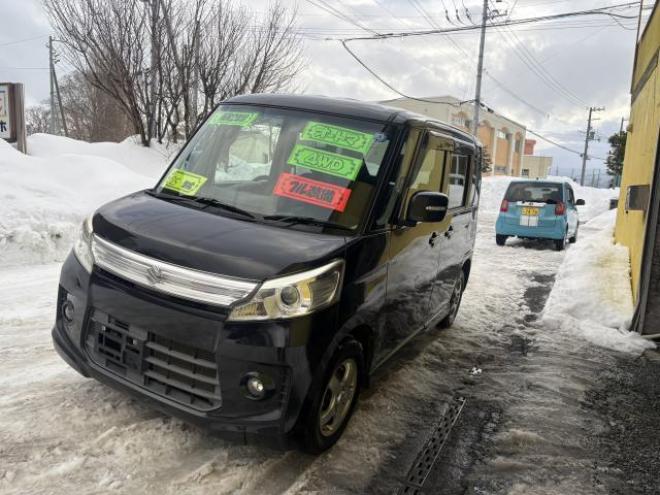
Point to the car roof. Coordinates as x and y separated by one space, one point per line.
350 108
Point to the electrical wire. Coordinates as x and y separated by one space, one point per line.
388 85
331 10
604 11
528 59
24 40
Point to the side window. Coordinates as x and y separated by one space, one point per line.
475 177
458 180
571 196
429 175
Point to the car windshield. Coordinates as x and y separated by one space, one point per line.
289 167
537 192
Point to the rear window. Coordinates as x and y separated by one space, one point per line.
537 192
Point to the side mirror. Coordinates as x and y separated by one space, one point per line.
427 207
580 202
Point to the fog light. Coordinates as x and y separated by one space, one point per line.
255 387
68 311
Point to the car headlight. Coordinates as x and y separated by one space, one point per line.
83 245
293 295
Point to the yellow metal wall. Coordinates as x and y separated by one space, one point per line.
640 149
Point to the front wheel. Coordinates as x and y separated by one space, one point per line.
574 239
334 398
455 301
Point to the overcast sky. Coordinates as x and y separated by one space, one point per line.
544 75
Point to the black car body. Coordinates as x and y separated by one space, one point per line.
166 294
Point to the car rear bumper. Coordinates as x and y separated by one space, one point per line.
557 231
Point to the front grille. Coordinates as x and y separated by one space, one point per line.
171 369
179 281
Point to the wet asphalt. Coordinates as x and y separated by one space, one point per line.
620 435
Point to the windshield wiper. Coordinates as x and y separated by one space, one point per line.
201 202
234 209
175 198
293 219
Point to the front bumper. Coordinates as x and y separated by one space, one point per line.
184 358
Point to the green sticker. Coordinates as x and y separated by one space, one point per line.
324 161
338 136
242 119
184 182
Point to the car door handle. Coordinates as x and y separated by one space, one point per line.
434 236
449 232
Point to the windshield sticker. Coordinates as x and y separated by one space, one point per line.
312 191
338 136
242 119
184 182
324 161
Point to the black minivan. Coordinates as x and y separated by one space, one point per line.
294 244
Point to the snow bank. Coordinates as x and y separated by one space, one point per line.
46 196
145 161
592 294
597 200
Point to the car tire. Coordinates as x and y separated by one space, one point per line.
560 244
321 428
500 239
455 302
574 239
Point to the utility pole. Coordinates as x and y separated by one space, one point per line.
480 70
155 63
51 67
588 138
621 129
639 20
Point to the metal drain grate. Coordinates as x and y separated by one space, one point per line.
429 454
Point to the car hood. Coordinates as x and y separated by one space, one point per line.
205 240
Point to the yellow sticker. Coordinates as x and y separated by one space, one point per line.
184 182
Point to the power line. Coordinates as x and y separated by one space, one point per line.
528 59
16 42
331 10
385 83
503 87
516 22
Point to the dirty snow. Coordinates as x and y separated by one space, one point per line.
592 293
61 433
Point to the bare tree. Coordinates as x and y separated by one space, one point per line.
37 119
91 114
167 63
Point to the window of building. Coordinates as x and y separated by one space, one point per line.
524 172
501 134
458 180
518 147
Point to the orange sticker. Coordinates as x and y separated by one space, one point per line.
312 191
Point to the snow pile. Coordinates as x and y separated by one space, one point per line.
592 294
145 161
45 197
597 200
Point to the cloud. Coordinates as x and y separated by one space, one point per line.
591 57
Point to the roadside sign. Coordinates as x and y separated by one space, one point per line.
12 115
5 120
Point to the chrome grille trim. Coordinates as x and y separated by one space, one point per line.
175 280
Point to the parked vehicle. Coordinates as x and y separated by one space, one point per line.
539 210
294 244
